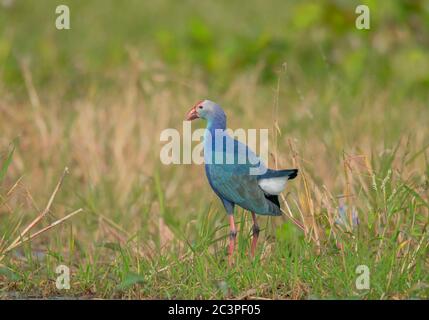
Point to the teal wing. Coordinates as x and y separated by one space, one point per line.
233 183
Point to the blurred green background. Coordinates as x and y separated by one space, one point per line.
218 39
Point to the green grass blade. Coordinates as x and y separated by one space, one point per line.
7 162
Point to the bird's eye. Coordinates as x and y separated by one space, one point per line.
200 107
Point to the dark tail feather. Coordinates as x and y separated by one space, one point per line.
290 173
273 198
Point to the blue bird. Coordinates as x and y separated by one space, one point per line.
236 174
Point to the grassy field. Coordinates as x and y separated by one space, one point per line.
348 107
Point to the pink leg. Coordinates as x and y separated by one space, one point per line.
232 238
255 232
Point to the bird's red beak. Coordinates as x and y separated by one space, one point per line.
192 114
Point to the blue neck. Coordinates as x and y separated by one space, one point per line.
214 124
217 122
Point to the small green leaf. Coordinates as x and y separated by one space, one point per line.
9 274
110 245
7 162
130 280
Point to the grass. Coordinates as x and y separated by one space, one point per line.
149 231
354 124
